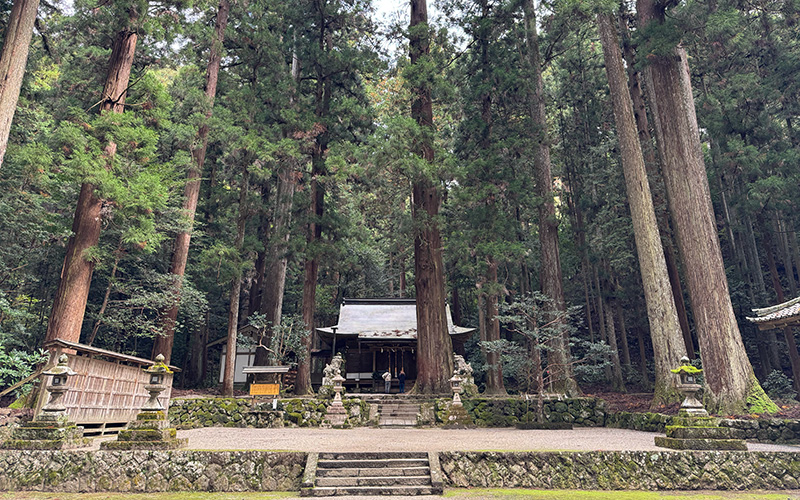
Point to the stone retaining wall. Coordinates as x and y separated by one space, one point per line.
762 430
150 471
241 412
507 412
661 470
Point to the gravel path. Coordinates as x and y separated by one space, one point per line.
371 439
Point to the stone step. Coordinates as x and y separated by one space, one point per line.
372 455
394 463
374 481
331 491
397 421
374 472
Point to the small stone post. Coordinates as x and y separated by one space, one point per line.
150 430
51 429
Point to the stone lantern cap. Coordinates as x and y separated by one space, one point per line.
159 366
61 368
686 368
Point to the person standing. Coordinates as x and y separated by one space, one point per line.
387 381
402 379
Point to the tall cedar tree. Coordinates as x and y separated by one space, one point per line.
550 276
661 313
69 305
434 346
191 192
12 63
731 385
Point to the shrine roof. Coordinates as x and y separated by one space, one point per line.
382 319
778 316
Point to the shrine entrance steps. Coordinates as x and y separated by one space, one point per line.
398 414
372 473
395 410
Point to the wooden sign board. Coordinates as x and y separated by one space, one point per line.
265 389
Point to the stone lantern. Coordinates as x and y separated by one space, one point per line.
688 386
151 430
337 414
51 429
55 409
455 385
693 429
156 385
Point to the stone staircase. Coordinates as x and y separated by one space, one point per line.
372 473
398 414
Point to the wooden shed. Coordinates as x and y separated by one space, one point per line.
108 390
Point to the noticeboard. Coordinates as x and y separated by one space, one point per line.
265 389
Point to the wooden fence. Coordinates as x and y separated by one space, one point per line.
108 390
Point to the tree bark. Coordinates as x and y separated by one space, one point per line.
191 192
617 381
277 260
13 60
434 346
494 371
729 376
665 330
652 167
550 277
236 291
69 305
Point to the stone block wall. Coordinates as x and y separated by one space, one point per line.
660 470
507 412
762 430
240 412
150 471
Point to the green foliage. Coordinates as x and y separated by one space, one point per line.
778 386
16 364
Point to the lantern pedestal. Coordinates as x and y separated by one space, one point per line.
50 430
150 431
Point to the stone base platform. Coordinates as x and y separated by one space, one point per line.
47 435
704 437
150 431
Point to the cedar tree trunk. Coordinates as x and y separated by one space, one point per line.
434 346
665 330
191 192
559 357
236 291
12 63
731 385
69 305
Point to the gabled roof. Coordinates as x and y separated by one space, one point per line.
382 319
778 316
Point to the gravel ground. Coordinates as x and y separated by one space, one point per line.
371 439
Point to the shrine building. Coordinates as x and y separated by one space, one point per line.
375 335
